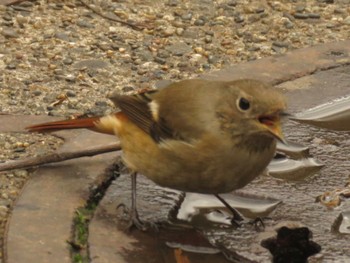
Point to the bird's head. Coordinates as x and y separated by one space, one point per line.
252 108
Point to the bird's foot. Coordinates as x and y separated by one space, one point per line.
237 222
134 220
237 219
236 216
258 223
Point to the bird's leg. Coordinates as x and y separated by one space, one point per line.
134 216
237 217
134 220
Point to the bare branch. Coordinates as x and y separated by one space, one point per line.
57 157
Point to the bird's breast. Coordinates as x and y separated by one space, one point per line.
201 168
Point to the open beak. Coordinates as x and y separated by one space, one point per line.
273 124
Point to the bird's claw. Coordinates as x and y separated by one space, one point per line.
126 210
236 222
135 222
258 223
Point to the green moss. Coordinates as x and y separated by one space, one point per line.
77 258
83 216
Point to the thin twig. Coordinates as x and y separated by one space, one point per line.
133 26
57 157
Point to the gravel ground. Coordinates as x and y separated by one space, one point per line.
62 58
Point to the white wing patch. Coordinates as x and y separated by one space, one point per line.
154 107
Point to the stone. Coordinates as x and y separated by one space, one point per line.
301 16
91 64
9 33
346 21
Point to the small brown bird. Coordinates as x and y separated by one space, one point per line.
196 135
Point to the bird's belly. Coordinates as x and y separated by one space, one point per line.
212 181
218 175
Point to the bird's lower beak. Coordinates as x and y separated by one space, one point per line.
276 131
273 125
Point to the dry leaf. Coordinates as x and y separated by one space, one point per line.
180 257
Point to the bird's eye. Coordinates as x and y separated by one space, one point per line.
243 104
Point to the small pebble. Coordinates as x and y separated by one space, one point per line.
84 23
330 25
239 19
173 2
37 92
7 17
3 210
127 88
169 31
100 103
259 10
314 15
21 173
206 66
67 61
159 60
232 3
199 22
301 16
187 16
346 21
11 66
288 24
182 64
19 149
208 39
179 31
280 44
70 78
9 33
71 93
300 8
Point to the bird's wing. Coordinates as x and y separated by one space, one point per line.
169 113
139 110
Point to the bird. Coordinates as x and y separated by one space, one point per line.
195 135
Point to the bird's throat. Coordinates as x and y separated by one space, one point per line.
257 143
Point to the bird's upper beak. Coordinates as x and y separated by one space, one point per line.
273 125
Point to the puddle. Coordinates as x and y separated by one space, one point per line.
207 211
342 223
333 115
293 149
293 170
178 245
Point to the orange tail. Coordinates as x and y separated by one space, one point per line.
85 123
